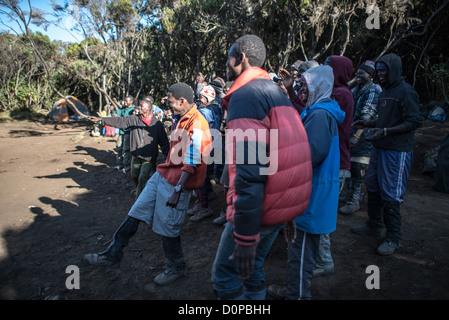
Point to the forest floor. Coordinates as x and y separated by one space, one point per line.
61 199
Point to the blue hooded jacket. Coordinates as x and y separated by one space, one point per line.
321 118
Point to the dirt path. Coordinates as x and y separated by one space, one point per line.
61 199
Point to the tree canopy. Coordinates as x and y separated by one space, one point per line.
140 47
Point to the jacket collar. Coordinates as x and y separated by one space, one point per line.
178 118
245 77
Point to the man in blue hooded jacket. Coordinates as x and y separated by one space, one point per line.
321 118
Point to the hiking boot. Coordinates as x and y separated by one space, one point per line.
168 277
202 213
195 209
100 260
277 292
367 229
119 168
353 204
344 199
388 247
319 272
221 218
349 208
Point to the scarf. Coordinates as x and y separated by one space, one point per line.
246 76
147 120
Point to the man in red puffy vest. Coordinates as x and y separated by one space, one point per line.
270 171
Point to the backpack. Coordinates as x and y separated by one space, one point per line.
438 113
109 131
217 114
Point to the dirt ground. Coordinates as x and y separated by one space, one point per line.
61 199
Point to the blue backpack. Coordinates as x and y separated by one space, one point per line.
438 113
217 115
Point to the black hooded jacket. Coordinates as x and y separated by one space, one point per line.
397 104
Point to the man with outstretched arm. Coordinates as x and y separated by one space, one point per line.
164 200
147 133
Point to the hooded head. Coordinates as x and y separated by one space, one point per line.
306 65
394 65
319 82
343 70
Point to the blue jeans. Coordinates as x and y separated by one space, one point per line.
301 260
225 275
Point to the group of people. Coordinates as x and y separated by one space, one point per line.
315 132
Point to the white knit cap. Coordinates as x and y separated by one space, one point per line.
208 92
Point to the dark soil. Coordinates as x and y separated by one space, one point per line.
62 199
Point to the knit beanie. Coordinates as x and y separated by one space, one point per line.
208 92
218 84
368 66
296 64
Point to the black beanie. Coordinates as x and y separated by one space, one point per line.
368 66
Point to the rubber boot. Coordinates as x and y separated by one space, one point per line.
374 226
375 213
121 238
173 253
393 222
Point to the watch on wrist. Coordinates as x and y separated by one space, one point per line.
178 188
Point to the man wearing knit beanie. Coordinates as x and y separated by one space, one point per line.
368 66
365 94
294 70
